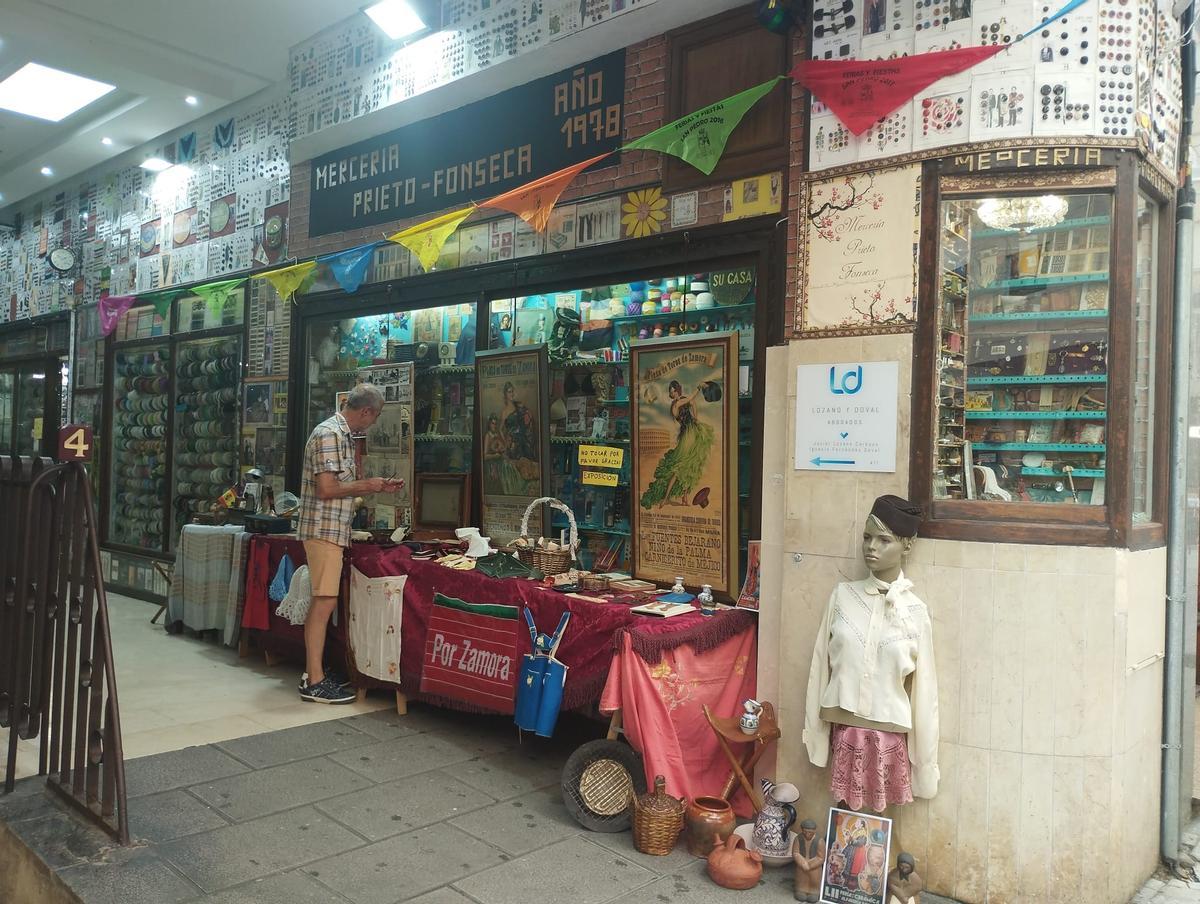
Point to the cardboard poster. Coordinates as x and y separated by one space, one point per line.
856 867
512 424
684 460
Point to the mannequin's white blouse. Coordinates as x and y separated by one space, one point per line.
874 658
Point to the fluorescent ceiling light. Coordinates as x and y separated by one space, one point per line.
191 100
155 164
36 90
46 171
395 18
106 141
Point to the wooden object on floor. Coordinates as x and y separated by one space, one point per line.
166 570
401 703
272 659
729 731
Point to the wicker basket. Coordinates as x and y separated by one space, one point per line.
551 561
657 820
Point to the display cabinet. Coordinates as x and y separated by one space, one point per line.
33 372
138 449
444 418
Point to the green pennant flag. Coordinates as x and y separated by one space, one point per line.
699 138
215 294
162 301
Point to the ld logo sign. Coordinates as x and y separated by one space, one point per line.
849 383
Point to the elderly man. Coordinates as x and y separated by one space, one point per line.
326 510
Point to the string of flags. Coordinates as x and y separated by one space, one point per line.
859 92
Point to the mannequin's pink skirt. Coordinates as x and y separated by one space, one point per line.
870 769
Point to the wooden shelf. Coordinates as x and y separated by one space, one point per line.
1036 415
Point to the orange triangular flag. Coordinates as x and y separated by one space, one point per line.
533 201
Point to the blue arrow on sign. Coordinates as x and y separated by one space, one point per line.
818 461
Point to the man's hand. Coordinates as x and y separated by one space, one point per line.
375 484
394 484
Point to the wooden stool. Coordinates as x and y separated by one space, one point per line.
729 731
166 571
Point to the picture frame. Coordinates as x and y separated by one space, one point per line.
441 503
257 404
684 457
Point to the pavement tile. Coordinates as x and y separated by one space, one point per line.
405 866
172 814
255 794
62 838
508 774
520 826
128 876
190 766
692 885
622 843
222 858
443 895
29 800
282 888
401 806
275 748
570 870
402 757
383 725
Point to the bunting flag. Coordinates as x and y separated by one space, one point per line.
862 92
699 138
111 308
216 294
534 201
162 301
349 267
288 279
425 240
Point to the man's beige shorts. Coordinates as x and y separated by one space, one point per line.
324 566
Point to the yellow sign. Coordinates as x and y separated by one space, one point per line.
37 429
601 478
753 197
601 457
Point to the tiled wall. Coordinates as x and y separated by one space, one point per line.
1049 675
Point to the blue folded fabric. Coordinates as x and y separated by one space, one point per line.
282 580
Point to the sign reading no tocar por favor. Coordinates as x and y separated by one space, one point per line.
471 653
601 457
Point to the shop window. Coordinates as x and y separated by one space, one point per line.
196 314
138 461
1022 372
1145 327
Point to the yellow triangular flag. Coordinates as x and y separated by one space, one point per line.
288 279
425 240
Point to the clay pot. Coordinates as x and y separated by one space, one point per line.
730 865
708 819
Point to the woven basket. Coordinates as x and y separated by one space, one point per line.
657 820
547 561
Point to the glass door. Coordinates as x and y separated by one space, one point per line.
30 407
7 393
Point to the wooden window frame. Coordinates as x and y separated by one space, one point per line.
1046 523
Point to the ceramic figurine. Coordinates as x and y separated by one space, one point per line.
730 865
904 885
772 826
808 853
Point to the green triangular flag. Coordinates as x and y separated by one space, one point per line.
162 301
215 294
699 138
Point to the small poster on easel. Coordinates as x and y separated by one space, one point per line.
856 867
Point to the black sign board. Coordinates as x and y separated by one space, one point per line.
472 153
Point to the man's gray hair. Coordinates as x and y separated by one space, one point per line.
365 395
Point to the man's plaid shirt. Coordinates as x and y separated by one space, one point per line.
329 448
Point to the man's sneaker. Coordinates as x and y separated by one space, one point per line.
334 675
325 691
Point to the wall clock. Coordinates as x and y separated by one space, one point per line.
62 259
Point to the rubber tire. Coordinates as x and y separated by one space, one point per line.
574 768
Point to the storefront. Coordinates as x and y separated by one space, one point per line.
33 379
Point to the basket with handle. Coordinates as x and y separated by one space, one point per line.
551 561
657 820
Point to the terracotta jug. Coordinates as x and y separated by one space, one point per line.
730 865
708 818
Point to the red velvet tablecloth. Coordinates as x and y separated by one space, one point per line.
595 632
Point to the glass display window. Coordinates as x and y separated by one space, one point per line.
195 315
1022 369
138 457
140 323
1145 364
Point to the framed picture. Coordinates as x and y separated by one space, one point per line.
856 865
257 407
684 400
512 421
441 502
270 445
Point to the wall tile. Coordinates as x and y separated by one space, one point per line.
974 830
1070 844
979 555
1004 826
941 864
975 688
1010 557
1007 664
1038 654
1042 559
1036 836
1069 631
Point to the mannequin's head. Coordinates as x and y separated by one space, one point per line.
888 535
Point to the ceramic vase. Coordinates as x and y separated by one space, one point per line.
708 818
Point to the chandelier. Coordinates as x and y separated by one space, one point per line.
1024 213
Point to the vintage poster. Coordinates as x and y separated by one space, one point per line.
856 867
684 461
390 439
512 422
858 271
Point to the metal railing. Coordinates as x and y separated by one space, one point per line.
57 679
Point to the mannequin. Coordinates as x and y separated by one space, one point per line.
871 710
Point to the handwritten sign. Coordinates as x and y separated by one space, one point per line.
600 478
601 457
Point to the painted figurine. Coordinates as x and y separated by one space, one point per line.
904 885
808 853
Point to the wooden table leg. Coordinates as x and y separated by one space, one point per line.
362 695
614 726
271 659
401 704
738 772
243 645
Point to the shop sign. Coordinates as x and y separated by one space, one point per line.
472 153
846 416
471 653
1051 157
684 402
601 457
731 286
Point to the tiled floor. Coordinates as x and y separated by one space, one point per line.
432 808
180 691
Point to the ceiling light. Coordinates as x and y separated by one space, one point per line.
395 18
1023 214
46 93
155 164
106 141
191 100
46 171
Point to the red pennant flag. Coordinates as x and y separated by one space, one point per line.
534 201
861 92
